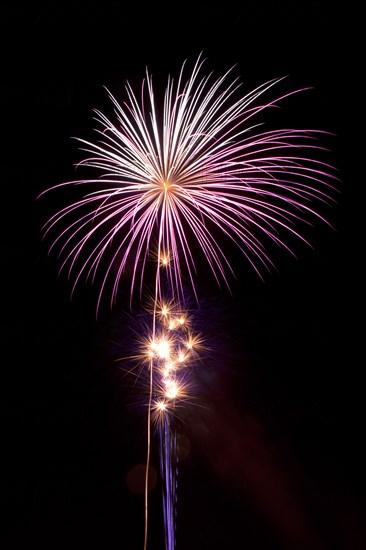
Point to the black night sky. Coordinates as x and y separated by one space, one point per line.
274 454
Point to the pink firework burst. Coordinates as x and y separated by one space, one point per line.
201 169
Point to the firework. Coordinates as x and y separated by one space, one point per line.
191 172
202 171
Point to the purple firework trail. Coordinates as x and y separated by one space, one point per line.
200 169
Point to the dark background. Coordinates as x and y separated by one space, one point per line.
274 460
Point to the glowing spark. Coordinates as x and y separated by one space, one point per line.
172 324
163 349
172 389
181 357
164 260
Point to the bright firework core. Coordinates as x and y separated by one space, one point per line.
205 172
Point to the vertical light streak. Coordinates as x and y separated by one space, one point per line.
168 456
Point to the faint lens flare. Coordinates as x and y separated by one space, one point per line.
191 174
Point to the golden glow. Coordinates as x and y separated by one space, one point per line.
159 411
160 348
181 357
163 349
164 259
172 389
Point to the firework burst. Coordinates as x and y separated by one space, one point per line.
201 171
197 168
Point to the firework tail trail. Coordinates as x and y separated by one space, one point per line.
205 172
168 455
